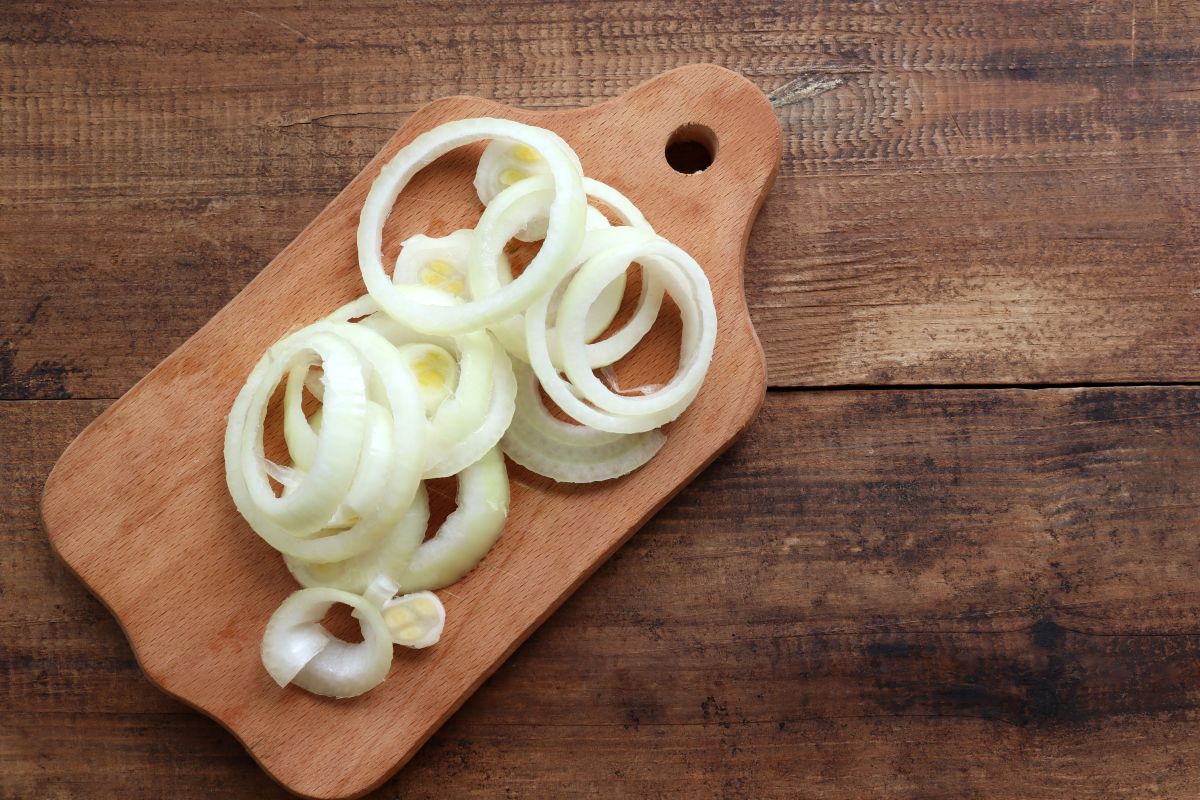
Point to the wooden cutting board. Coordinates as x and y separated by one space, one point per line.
137 505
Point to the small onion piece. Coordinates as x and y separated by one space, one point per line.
436 372
380 590
570 453
594 218
468 533
563 236
440 262
415 620
505 163
297 649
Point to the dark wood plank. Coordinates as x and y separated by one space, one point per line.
912 594
984 192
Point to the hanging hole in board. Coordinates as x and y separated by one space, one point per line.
691 148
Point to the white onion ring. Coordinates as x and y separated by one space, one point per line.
468 533
243 439
297 649
526 200
570 453
388 559
684 280
563 236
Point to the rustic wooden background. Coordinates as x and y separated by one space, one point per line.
957 555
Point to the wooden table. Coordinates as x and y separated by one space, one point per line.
957 555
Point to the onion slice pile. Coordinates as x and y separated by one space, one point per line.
438 372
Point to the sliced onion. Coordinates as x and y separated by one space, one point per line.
616 346
441 263
297 649
605 310
600 315
300 436
684 280
243 442
505 163
298 432
594 219
436 372
613 348
415 620
388 560
467 408
470 422
468 533
563 237
512 209
380 590
472 446
570 453
319 491
687 284
370 478
415 380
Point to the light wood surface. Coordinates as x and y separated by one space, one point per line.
138 508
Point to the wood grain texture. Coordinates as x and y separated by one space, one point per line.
990 191
976 191
902 594
145 483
